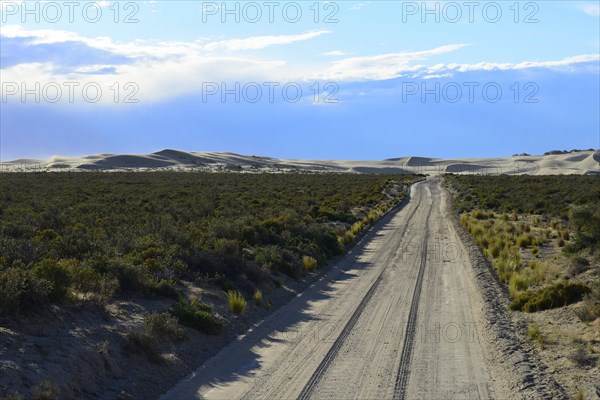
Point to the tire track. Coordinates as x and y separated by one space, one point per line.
405 358
332 353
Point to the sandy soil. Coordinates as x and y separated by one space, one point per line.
406 314
583 162
81 348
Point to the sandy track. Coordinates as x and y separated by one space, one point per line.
393 319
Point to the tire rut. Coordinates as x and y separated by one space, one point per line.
406 355
333 351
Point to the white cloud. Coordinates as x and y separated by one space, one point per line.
335 53
591 9
488 66
398 65
260 42
381 67
161 69
165 70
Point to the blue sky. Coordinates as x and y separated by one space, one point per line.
345 80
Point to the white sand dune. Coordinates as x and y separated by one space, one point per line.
581 162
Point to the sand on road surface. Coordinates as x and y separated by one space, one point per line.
394 318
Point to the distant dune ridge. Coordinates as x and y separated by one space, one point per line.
552 163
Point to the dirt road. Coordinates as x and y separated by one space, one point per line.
393 319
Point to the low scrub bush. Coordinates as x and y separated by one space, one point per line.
585 220
93 285
92 235
236 302
166 287
197 316
578 264
557 295
21 290
582 357
276 259
590 309
158 329
56 274
46 390
479 214
223 282
165 326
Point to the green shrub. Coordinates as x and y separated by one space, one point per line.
481 215
56 274
197 316
585 220
228 247
20 290
268 257
557 295
13 396
224 283
46 390
164 326
100 288
236 302
137 341
166 287
131 277
309 263
117 237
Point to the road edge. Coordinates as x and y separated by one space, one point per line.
513 362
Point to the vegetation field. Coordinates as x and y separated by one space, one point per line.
513 218
94 236
542 235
